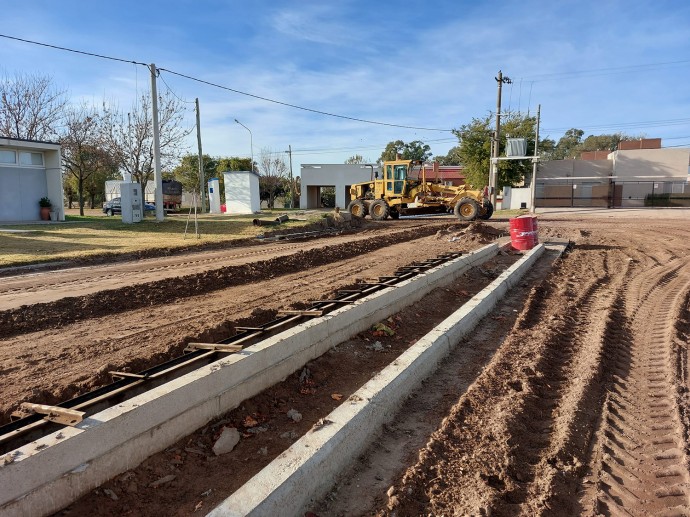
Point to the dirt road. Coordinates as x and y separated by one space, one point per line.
583 408
571 399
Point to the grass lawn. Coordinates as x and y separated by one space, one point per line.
83 236
95 234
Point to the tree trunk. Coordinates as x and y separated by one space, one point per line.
81 195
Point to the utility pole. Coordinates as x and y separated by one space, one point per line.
160 214
292 186
202 180
533 186
493 172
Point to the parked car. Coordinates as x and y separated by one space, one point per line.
114 206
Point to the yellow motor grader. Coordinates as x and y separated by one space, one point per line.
404 189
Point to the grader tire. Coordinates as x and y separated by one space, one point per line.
379 210
488 211
466 209
357 208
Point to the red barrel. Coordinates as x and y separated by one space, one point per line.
522 233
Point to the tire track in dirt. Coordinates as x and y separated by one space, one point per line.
639 465
562 404
508 430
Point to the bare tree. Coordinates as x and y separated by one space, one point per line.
30 107
273 174
129 136
82 147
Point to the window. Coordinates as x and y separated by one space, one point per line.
31 159
8 157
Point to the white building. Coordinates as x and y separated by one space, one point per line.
29 171
627 178
314 177
241 192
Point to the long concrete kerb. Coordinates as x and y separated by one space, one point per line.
48 474
307 470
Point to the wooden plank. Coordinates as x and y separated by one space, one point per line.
300 313
333 301
218 347
253 329
128 374
55 414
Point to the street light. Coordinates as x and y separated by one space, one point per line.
251 141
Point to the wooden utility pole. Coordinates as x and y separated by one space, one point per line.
493 171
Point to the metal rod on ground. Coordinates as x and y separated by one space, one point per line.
533 186
196 223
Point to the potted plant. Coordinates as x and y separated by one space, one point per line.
45 205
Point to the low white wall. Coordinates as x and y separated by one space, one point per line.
308 469
59 468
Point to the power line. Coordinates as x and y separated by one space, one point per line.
191 78
326 150
606 71
174 94
628 125
295 106
102 56
367 147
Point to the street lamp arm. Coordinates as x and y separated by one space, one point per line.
251 141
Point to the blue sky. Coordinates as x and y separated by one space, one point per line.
601 66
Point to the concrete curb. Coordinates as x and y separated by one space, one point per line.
308 469
48 474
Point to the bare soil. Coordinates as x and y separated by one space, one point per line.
569 399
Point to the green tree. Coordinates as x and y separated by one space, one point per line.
604 142
234 163
474 150
568 145
392 151
571 145
452 158
187 172
94 186
415 150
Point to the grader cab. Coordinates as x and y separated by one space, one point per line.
404 189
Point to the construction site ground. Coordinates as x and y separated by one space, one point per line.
569 399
